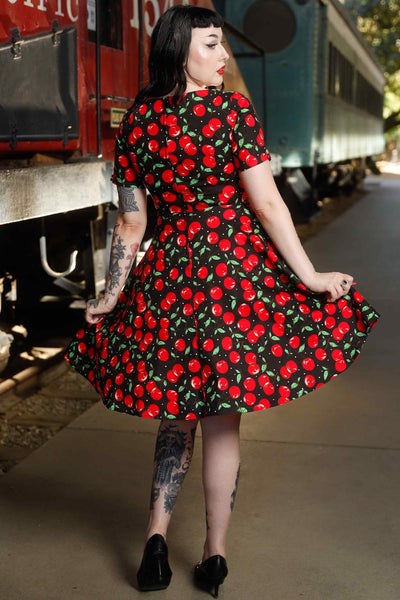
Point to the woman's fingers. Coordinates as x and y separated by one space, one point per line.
340 285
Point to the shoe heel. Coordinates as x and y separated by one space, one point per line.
154 572
210 574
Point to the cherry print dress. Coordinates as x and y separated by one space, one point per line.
212 320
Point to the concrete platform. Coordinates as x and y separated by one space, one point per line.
316 514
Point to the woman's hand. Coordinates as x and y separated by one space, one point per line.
96 309
334 284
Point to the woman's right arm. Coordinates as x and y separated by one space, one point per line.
129 230
273 214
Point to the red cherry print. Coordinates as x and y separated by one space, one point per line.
224 245
229 318
269 281
239 252
227 343
221 270
180 344
347 312
320 354
294 341
216 310
308 364
216 293
291 366
118 395
213 237
312 341
234 392
194 365
330 308
244 310
152 411
309 380
152 128
229 168
317 315
277 350
229 283
278 329
330 322
343 327
279 317
208 345
195 382
130 368
167 176
249 399
123 161
284 391
199 110
163 354
234 357
229 214
336 334
340 365
285 373
337 354
128 400
82 348
213 222
304 309
250 120
222 366
243 324
222 383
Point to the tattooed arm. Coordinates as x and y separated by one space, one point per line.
128 233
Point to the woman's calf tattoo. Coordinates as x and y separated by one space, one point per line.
173 454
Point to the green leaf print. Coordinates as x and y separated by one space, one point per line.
225 405
325 374
301 348
296 319
242 410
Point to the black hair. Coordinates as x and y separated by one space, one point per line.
170 43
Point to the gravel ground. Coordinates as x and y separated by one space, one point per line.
28 421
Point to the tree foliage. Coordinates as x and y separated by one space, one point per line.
379 22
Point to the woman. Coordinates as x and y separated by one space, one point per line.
225 314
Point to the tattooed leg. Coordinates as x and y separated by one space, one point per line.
221 466
172 457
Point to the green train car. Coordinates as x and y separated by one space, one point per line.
315 83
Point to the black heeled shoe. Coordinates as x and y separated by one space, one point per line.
154 572
210 574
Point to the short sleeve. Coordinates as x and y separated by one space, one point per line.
126 170
248 144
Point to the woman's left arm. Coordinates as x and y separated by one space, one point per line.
129 230
273 214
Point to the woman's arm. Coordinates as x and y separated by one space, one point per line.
273 214
129 230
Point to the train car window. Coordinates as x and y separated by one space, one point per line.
260 21
346 83
110 22
340 75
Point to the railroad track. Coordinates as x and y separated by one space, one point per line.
36 405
